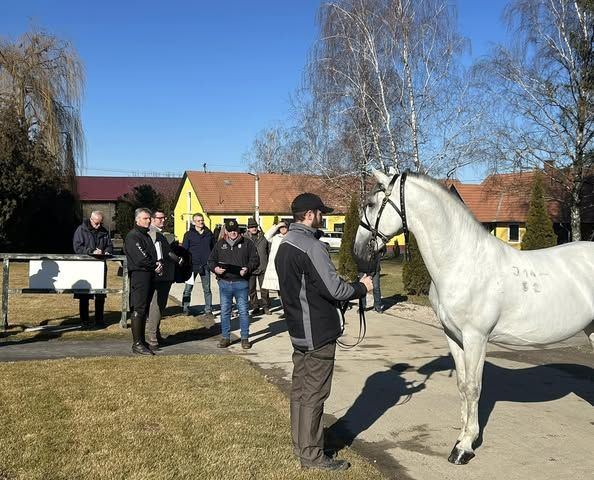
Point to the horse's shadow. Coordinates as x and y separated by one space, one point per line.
381 391
541 383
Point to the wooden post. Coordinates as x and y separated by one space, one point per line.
5 279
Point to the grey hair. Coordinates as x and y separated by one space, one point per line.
97 213
138 211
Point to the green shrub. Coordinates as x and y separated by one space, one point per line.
415 276
347 266
539 228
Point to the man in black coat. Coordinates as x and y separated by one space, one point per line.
91 238
233 259
143 265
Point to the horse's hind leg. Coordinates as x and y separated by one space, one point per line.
589 330
475 346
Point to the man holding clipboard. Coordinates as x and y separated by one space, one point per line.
232 260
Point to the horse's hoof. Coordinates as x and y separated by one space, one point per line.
459 456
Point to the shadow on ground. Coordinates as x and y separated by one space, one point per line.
541 383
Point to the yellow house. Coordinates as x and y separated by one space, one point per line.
234 195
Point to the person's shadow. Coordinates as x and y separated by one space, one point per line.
381 391
541 383
273 329
46 276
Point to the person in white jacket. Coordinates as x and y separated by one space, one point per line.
274 235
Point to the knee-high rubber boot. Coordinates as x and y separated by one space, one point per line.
138 345
99 310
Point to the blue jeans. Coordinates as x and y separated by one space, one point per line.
187 295
377 294
240 290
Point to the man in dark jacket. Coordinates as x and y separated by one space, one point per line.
198 240
311 292
163 281
92 238
143 264
233 259
263 247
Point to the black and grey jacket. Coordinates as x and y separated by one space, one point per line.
311 289
140 250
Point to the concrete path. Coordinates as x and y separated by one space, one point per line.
395 399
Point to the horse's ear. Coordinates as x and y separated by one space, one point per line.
380 176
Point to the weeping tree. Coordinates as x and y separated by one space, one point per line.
43 77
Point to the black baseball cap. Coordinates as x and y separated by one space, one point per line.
309 201
231 226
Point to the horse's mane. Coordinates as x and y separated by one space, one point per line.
460 214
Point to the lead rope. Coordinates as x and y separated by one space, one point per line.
362 324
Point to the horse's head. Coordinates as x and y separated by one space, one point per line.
381 217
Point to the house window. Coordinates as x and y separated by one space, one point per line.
514 233
339 227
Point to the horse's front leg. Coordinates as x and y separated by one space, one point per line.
475 346
458 356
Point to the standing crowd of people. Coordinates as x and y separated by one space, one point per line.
288 259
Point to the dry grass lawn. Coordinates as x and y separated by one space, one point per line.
180 417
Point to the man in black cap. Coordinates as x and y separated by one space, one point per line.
311 292
263 247
232 260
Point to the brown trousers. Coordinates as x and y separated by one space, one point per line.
312 380
254 302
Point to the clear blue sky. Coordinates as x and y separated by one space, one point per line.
172 84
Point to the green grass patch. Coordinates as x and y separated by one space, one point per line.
179 417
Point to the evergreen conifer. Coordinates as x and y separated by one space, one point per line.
539 228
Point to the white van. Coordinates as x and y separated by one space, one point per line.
332 239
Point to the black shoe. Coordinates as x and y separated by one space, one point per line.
327 464
257 311
141 349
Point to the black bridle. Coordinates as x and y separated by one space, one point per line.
372 244
366 224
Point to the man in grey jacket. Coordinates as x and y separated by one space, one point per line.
263 247
311 293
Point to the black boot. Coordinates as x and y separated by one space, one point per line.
138 345
99 309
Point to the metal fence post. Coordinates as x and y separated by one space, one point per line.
5 293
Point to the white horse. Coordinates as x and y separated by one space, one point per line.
482 289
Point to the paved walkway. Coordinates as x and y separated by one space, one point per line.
395 398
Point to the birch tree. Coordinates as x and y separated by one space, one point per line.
542 84
388 72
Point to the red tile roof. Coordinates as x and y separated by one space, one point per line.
109 189
222 192
506 198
